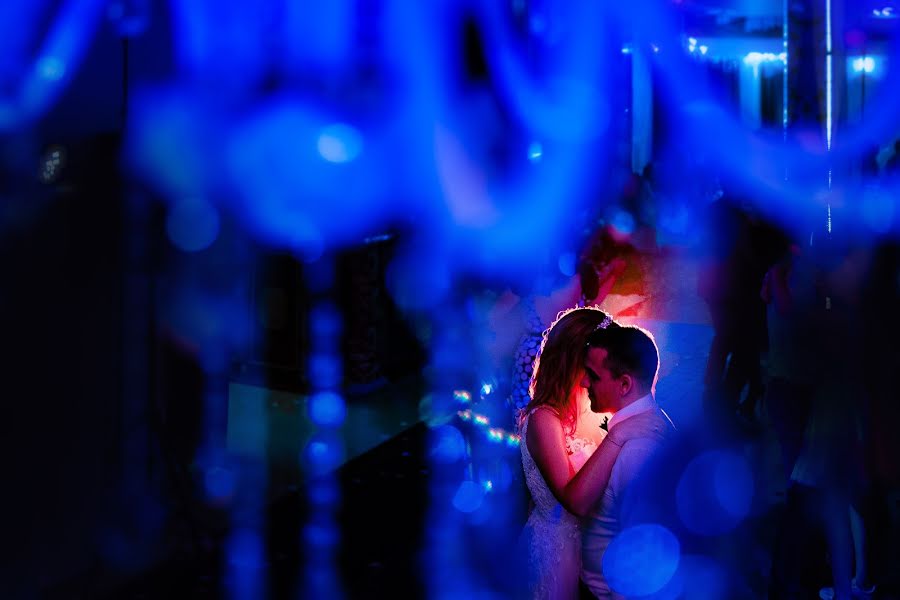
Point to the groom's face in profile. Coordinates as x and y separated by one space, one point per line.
601 386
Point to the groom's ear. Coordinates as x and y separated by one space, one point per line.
626 384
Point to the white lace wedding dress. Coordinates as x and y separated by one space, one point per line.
552 535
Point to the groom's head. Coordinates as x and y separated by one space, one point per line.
621 365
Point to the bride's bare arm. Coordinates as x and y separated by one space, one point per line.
547 445
584 489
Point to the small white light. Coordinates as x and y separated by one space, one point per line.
626 49
863 63
755 59
703 49
535 151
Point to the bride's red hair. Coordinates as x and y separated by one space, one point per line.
558 367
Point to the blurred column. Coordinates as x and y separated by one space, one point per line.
751 94
325 449
641 109
816 77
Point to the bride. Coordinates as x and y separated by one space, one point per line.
559 438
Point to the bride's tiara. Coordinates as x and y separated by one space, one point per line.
604 324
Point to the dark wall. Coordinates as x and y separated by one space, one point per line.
61 318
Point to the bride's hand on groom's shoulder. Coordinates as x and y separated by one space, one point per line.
647 424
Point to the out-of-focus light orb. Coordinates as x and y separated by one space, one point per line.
192 224
339 143
325 370
245 548
704 49
321 535
325 321
734 484
641 560
446 445
220 483
52 68
468 497
307 242
486 389
327 409
324 491
623 222
715 493
535 151
324 452
566 263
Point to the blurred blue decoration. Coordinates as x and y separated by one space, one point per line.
130 17
321 535
641 560
495 475
209 322
446 444
323 492
702 578
192 224
326 326
31 83
417 280
221 483
324 452
468 497
339 143
325 370
567 263
245 558
327 409
715 492
245 548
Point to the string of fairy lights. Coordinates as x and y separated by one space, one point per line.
482 422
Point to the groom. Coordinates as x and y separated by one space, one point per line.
621 366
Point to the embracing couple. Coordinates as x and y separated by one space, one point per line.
579 505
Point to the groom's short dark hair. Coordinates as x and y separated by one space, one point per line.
629 350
